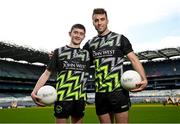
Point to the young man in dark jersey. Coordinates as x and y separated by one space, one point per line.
107 51
71 64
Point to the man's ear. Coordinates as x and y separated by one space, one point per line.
70 34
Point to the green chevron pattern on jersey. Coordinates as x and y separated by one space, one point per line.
70 90
106 81
71 65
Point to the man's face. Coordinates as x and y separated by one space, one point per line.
77 35
100 22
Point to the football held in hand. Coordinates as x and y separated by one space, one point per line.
129 79
47 94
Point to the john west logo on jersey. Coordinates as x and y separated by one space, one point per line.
103 53
73 66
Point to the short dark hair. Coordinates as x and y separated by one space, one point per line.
99 11
80 26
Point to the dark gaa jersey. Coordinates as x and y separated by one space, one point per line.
107 54
71 65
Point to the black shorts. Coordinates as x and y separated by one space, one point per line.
112 102
64 109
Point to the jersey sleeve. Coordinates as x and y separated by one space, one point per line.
53 61
126 45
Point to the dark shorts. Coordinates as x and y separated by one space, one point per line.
64 109
113 102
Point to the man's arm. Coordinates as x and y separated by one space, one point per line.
139 68
42 80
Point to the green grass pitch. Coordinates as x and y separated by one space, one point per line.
144 113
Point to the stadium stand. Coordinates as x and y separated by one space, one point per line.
17 79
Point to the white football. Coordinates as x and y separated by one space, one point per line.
129 79
47 94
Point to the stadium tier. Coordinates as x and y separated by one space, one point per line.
19 76
19 70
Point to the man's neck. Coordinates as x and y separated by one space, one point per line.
104 33
74 45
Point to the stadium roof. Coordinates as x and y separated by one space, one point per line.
162 53
30 55
21 53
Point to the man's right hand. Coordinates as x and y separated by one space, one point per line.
36 99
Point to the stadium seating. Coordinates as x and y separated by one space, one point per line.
19 70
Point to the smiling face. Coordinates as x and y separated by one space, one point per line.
77 35
100 23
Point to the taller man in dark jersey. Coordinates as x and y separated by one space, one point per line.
107 51
71 64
